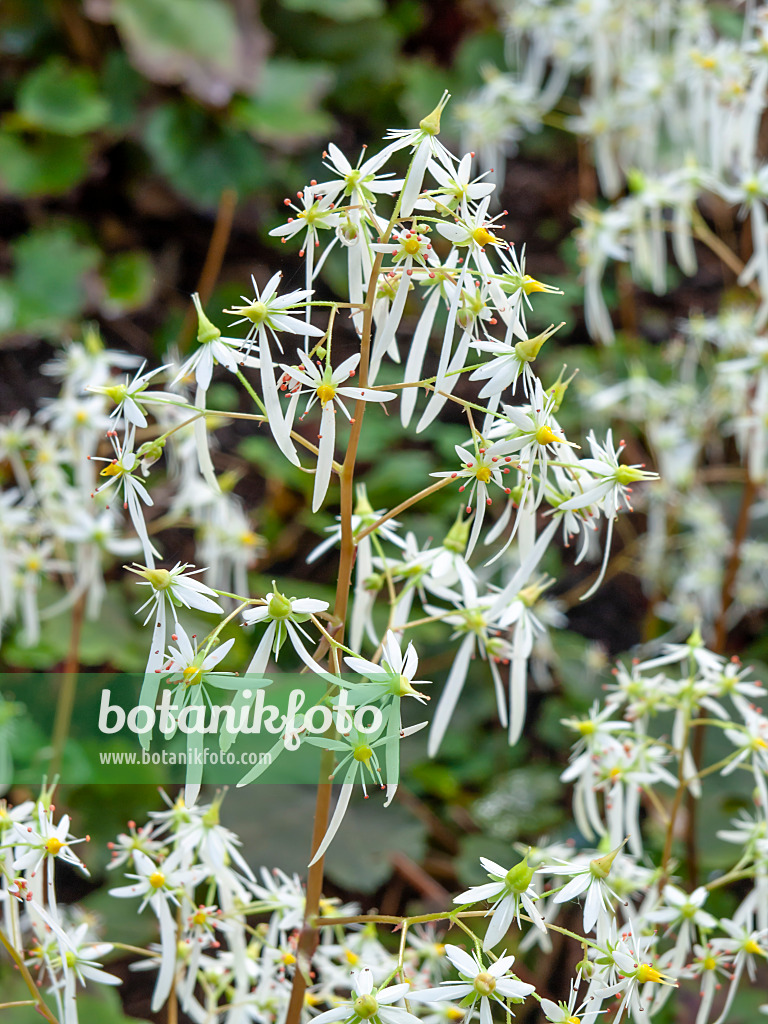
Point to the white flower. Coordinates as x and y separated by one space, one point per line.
485 465
513 893
283 615
120 475
159 885
327 387
395 673
425 145
370 1004
211 349
589 878
129 397
479 982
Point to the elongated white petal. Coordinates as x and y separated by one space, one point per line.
325 455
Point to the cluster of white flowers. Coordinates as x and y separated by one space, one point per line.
671 117
643 932
437 304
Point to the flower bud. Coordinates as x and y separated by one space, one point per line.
458 535
430 124
206 331
519 877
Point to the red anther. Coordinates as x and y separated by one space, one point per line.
454 475
174 636
299 195
487 501
283 240
507 490
286 202
432 273
493 320
472 154
494 458
325 154
291 220
508 458
313 181
301 253
469 509
462 488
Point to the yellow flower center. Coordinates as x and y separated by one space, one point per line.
484 983
200 917
483 473
256 312
53 845
192 674
750 946
157 879
351 957
483 237
113 469
544 435
365 1006
647 973
709 963
363 753
326 392
412 245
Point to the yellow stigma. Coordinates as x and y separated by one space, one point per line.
326 392
412 245
484 237
750 946
157 879
530 284
483 473
709 963
544 435
647 973
572 1020
113 469
200 917
53 845
351 957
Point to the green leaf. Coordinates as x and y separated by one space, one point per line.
521 803
123 88
200 157
369 836
128 282
45 165
205 29
339 10
50 264
285 106
58 97
194 42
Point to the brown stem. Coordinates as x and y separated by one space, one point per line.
29 981
213 260
309 934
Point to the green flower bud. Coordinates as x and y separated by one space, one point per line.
430 124
519 877
206 331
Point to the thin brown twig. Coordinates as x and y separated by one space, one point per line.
213 261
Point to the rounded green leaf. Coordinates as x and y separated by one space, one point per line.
58 97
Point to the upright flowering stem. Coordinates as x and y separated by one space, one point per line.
309 936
